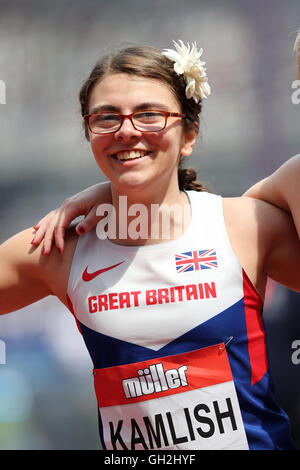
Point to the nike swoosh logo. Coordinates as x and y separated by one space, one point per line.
86 277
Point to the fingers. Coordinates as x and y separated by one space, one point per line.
68 212
44 231
59 237
48 239
90 220
41 228
52 228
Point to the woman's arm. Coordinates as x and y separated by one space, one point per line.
26 276
21 282
54 224
265 241
282 189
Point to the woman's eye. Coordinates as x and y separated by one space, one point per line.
148 116
106 120
107 117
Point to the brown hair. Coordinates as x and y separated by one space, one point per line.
144 61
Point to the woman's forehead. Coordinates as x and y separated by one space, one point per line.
123 90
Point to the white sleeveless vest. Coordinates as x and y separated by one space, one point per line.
176 337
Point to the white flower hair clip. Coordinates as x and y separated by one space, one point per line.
187 62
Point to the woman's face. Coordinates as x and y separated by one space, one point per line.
153 166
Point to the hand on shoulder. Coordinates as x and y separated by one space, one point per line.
26 275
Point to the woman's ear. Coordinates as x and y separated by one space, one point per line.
189 139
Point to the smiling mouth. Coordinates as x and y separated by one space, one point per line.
130 155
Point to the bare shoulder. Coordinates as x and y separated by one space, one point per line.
258 217
55 267
52 270
264 239
241 219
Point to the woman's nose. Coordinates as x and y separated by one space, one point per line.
127 131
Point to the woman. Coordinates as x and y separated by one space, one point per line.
279 189
173 324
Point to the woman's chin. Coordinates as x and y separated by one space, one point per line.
130 183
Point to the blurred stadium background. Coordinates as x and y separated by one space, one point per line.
249 127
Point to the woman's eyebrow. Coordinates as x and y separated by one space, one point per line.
151 105
139 107
104 107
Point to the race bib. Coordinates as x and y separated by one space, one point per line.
186 401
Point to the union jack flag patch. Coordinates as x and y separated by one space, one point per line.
196 260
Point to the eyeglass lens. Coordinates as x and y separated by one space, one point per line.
147 121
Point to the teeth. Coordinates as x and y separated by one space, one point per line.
130 155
